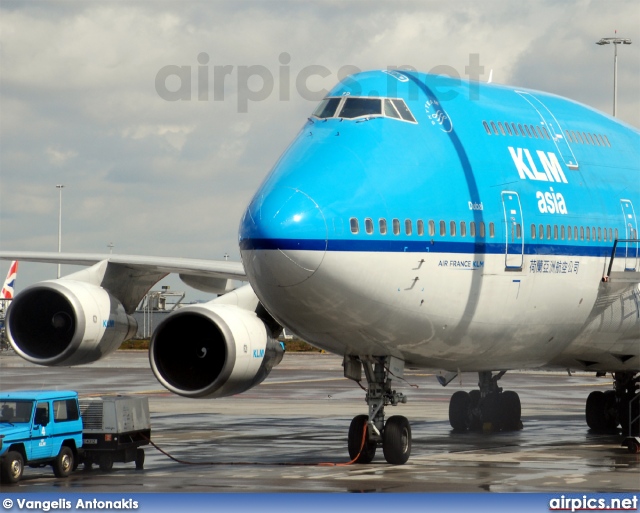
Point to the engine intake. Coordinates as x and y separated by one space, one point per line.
212 350
66 322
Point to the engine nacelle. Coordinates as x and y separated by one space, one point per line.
212 350
67 322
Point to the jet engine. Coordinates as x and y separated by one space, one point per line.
66 322
212 350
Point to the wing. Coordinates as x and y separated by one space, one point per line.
129 277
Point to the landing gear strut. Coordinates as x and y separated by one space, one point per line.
367 432
488 409
606 410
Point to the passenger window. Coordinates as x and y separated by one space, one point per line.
463 229
327 108
354 225
493 126
482 232
506 125
501 128
607 141
452 228
540 132
604 234
443 228
568 135
593 234
595 139
358 107
432 228
541 228
575 233
526 127
582 233
472 229
515 130
545 132
382 225
555 232
533 131
486 127
492 230
407 226
420 227
533 231
610 237
518 231
404 111
368 225
588 233
548 232
599 234
389 110
396 226
562 232
616 232
578 137
568 232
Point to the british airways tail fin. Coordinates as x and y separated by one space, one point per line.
9 282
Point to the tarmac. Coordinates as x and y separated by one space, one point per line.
275 437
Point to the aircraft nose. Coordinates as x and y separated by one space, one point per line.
283 237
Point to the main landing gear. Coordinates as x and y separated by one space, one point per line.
488 409
620 406
367 432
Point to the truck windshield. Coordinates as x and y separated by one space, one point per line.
15 412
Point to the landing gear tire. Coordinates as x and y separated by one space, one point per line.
510 411
12 467
396 440
601 411
459 411
354 441
64 462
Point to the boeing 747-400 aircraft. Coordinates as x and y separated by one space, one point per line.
480 229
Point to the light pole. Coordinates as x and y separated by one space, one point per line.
615 41
59 187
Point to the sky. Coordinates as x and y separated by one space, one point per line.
161 118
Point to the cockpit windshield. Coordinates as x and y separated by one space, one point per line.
327 108
357 107
351 107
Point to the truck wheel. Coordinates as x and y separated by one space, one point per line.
106 463
139 458
12 467
63 464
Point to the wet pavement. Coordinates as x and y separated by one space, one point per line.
273 437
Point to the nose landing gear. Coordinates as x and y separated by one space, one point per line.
367 432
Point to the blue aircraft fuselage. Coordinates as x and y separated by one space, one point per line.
452 224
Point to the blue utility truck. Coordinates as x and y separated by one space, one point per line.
39 428
54 428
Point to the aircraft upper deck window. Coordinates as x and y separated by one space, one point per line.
404 111
357 107
327 108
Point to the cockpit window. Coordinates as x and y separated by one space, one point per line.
389 110
351 107
404 110
327 108
356 107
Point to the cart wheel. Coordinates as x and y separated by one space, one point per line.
633 447
139 458
106 463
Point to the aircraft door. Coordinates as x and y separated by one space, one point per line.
630 234
514 232
555 130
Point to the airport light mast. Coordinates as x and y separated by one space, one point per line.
59 187
615 41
